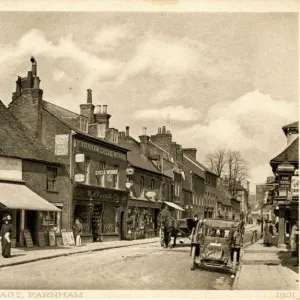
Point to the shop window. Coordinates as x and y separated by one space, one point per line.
51 178
142 186
152 184
100 175
51 220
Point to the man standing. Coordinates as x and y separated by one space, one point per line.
166 223
78 232
295 231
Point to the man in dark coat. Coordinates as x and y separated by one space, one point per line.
166 223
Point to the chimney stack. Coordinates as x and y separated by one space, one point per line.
127 130
190 152
89 96
87 109
144 140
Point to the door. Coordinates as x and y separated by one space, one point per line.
31 219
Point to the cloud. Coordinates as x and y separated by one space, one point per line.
161 57
66 48
59 75
176 113
110 37
250 124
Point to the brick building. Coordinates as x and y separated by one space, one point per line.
88 149
32 182
148 188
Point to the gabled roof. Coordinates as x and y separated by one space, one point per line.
135 158
289 154
16 142
194 167
63 114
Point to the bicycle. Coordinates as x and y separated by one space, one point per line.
254 236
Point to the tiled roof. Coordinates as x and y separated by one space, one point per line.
192 166
223 196
63 115
200 165
290 153
135 158
292 125
16 142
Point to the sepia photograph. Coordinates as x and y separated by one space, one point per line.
148 150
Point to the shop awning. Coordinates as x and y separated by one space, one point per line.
174 205
18 196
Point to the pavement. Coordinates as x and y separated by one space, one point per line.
27 255
267 268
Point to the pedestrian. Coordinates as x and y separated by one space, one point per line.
295 231
166 223
271 233
266 233
78 232
5 234
276 226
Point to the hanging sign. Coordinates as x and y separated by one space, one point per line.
79 177
61 144
295 186
79 158
130 171
284 182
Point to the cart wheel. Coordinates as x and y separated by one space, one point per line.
234 262
193 257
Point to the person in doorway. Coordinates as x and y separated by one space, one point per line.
295 231
5 236
78 232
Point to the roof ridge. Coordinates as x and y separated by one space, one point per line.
62 108
194 162
286 147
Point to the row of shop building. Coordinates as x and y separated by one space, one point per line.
56 166
282 193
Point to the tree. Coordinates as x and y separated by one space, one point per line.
216 161
229 163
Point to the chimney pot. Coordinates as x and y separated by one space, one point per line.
145 130
104 109
159 130
89 96
164 129
98 110
127 130
36 82
29 80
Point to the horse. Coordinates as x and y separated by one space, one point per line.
170 230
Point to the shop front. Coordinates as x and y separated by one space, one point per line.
142 218
28 211
101 212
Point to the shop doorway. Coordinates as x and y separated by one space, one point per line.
31 219
122 225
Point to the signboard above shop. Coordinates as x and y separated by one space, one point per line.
61 144
284 182
79 177
107 172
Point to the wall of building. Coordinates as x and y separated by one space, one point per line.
34 174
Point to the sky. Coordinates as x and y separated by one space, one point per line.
222 79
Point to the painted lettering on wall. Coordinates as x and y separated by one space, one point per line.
101 150
61 144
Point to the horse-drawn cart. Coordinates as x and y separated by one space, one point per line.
216 243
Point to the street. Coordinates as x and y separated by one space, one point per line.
139 267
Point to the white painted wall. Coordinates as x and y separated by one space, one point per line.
10 168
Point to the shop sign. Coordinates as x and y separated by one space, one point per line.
98 149
61 144
107 172
79 177
295 186
150 194
130 171
79 158
284 182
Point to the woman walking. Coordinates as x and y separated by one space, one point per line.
5 236
78 232
266 233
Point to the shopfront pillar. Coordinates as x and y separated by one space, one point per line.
22 227
281 228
